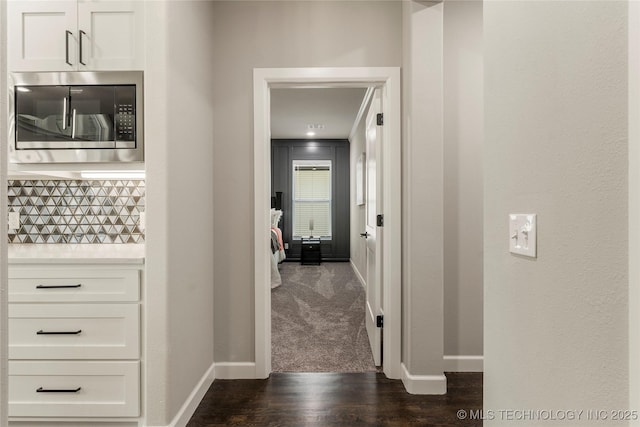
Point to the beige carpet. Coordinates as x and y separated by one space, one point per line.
317 320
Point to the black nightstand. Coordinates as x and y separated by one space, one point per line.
310 253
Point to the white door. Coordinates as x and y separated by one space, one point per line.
42 35
372 233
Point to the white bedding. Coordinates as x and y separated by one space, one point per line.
279 255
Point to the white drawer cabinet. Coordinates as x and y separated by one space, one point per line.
82 389
74 331
74 341
73 285
75 35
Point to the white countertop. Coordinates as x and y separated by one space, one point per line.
76 253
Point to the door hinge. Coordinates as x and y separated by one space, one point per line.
380 220
380 119
379 321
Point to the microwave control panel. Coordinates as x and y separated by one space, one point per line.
125 122
125 116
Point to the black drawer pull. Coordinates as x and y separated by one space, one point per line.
58 286
56 390
41 332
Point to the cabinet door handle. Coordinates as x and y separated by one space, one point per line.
82 33
58 286
66 41
58 390
365 234
41 332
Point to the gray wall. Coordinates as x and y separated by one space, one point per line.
634 206
463 179
179 156
283 152
250 34
422 192
556 145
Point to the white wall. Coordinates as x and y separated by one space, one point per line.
179 235
357 146
3 214
463 192
556 145
252 34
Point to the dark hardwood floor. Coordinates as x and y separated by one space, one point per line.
332 399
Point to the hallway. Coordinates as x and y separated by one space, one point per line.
323 400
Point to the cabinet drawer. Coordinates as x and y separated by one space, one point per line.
104 389
73 285
74 331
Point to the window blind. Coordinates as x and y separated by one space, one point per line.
312 199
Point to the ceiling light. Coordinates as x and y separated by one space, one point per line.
113 174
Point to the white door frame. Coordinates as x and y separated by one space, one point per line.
388 78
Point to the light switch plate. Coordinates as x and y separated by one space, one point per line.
14 220
142 224
523 234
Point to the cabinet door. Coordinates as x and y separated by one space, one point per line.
110 35
42 35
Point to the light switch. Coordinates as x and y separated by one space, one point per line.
522 234
14 220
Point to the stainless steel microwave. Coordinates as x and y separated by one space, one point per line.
72 117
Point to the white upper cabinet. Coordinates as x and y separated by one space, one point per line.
111 35
75 35
42 35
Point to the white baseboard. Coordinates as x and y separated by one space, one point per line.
236 370
423 384
355 270
189 407
463 363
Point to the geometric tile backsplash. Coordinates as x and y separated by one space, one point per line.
77 211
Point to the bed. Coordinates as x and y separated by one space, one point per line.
277 248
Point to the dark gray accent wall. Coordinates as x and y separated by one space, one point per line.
283 153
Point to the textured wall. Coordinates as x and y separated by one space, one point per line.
250 34
556 145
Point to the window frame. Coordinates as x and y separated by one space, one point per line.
310 163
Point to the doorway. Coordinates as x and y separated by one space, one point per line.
318 296
388 80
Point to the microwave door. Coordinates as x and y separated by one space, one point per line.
91 115
42 117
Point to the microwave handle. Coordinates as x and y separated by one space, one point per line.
73 124
64 113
